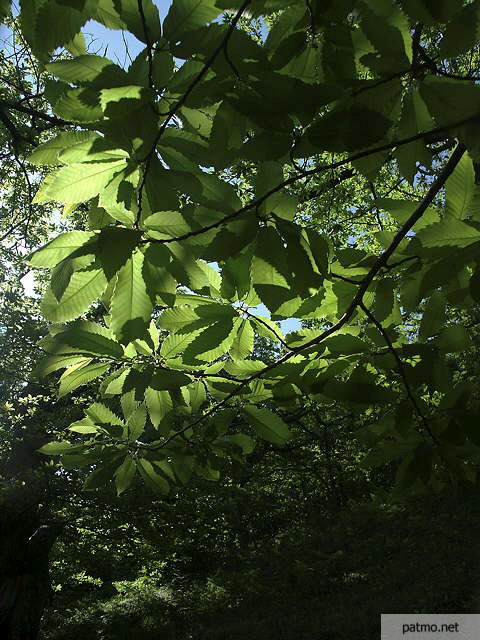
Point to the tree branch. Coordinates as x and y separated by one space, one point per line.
148 43
309 172
381 261
36 114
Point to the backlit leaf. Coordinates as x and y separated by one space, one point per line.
59 248
131 305
267 425
84 288
80 376
80 182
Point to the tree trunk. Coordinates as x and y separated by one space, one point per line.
24 575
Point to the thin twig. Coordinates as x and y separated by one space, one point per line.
381 261
36 114
400 367
309 172
148 43
170 114
331 184
262 322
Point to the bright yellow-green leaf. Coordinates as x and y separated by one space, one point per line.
131 305
70 380
79 182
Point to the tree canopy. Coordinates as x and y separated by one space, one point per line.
203 179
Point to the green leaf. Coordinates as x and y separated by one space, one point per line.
177 343
100 414
77 45
187 15
92 150
79 105
207 472
169 223
204 188
453 339
84 287
242 344
434 315
118 101
270 270
460 188
102 475
386 453
388 30
124 474
269 175
401 210
384 299
151 478
136 422
346 344
178 318
71 380
212 343
94 71
118 198
339 130
162 68
246 443
431 11
267 425
356 391
448 232
60 447
47 153
124 241
159 404
63 272
417 466
320 248
161 285
137 379
79 182
183 466
4 8
236 276
59 248
165 379
450 101
131 306
146 28
48 25
414 119
54 363
78 427
304 277
267 328
309 307
106 13
198 394
90 338
461 33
